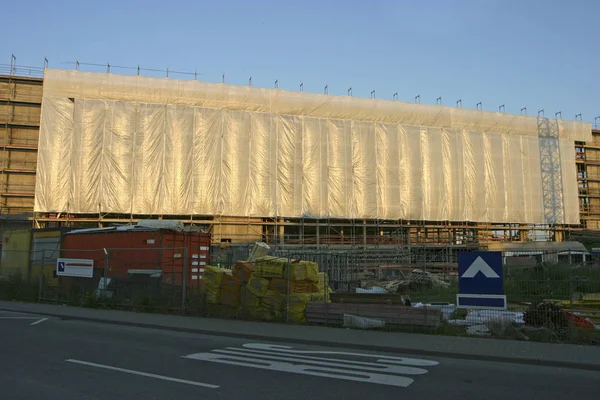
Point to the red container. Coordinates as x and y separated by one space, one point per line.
141 252
198 255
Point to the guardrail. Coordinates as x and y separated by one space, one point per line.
21 71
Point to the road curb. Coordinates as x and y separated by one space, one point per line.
383 349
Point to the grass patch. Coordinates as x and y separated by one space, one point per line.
14 288
556 281
434 294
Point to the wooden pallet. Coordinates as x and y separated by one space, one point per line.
333 313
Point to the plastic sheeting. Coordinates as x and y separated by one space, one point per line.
137 145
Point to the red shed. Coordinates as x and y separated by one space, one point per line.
139 250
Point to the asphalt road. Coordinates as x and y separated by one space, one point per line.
65 359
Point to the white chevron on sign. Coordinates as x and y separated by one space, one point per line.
479 265
385 370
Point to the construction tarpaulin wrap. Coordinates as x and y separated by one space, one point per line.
139 145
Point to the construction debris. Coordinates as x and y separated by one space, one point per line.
447 309
586 305
421 277
494 316
545 316
552 315
414 280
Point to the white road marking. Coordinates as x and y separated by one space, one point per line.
383 359
39 321
386 370
391 369
140 373
338 373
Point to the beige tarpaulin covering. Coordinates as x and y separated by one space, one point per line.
122 144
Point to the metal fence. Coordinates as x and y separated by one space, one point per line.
136 279
346 268
551 296
226 256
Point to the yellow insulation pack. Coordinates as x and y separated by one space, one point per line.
250 300
273 304
257 285
211 282
304 271
270 267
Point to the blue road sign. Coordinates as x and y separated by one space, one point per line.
61 266
480 281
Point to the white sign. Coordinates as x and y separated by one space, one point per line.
76 267
378 369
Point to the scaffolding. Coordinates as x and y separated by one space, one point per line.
435 237
20 104
588 180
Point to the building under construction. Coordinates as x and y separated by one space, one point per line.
247 163
20 110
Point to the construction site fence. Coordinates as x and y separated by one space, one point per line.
550 296
343 265
137 279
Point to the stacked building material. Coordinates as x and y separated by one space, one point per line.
391 315
212 280
269 288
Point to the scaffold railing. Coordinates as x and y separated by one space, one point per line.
21 71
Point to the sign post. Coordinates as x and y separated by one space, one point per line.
480 281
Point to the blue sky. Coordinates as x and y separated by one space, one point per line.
539 54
